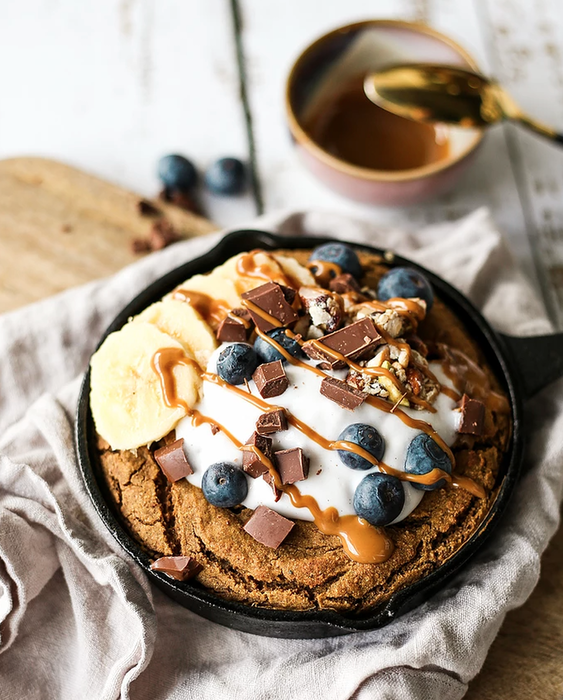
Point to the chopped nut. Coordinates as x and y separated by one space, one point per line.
323 308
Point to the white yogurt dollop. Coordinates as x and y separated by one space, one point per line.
330 482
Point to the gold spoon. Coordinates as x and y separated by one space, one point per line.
428 92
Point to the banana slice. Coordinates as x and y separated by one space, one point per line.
219 284
299 275
182 322
126 398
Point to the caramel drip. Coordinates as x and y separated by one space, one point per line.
212 310
430 478
247 266
324 271
374 401
163 363
464 482
361 541
470 379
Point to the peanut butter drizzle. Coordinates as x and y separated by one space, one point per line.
163 363
251 306
212 310
404 307
374 401
270 270
470 379
324 271
361 541
464 482
430 478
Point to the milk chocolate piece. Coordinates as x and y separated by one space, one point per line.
344 283
271 300
342 393
251 463
352 341
472 416
292 465
269 479
146 208
272 422
270 379
172 460
231 331
162 234
244 314
268 527
180 568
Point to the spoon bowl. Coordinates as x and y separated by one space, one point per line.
446 94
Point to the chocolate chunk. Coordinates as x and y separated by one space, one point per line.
292 465
324 308
140 245
272 422
352 341
184 201
172 460
146 208
231 330
270 299
162 234
268 527
251 463
269 479
472 416
342 393
242 313
344 283
180 568
270 379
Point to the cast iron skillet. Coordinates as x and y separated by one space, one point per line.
523 365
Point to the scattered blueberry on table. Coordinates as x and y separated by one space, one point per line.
226 176
424 455
268 353
236 363
340 254
379 498
224 485
177 173
406 283
367 437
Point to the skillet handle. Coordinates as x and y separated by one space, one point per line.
538 359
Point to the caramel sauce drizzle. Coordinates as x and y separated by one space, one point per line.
248 266
324 271
212 310
163 363
361 541
374 401
430 478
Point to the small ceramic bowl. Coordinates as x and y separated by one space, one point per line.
358 49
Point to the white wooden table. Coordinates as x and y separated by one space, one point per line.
111 85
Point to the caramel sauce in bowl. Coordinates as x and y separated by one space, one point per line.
357 148
314 623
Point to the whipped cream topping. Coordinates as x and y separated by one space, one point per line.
330 482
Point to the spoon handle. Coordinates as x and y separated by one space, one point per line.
545 131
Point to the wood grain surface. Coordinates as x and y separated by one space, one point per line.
60 227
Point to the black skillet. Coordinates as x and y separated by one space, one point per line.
523 366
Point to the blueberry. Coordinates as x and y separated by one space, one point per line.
405 282
340 254
177 173
379 498
226 176
365 436
268 353
224 485
424 455
236 363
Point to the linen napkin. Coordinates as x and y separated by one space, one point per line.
79 620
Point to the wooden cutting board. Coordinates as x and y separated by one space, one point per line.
60 227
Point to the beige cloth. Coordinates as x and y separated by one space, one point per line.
79 620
